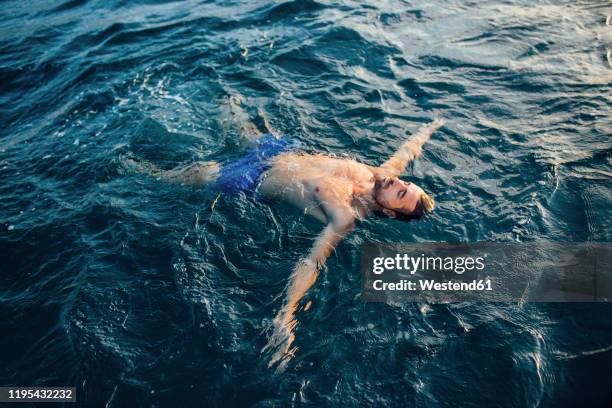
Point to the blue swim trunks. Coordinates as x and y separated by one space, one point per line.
242 174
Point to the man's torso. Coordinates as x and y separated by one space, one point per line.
306 181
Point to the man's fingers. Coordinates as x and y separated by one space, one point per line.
436 124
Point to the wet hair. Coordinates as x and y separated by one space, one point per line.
396 215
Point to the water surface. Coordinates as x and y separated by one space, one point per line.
143 293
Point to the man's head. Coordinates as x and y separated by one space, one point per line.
401 199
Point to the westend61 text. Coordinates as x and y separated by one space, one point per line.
432 285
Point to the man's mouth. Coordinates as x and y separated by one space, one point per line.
382 183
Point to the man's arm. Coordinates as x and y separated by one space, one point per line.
303 277
408 151
307 270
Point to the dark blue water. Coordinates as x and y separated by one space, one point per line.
144 293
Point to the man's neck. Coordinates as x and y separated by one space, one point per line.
363 196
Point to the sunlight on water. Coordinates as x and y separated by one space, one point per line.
147 292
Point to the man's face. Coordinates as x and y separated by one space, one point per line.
398 195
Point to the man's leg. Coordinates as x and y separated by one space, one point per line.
195 174
199 173
233 114
266 122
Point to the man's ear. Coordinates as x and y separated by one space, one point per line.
389 213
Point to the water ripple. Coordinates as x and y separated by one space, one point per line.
141 292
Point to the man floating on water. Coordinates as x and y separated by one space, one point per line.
335 191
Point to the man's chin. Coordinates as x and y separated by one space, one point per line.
377 185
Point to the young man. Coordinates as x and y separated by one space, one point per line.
334 191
